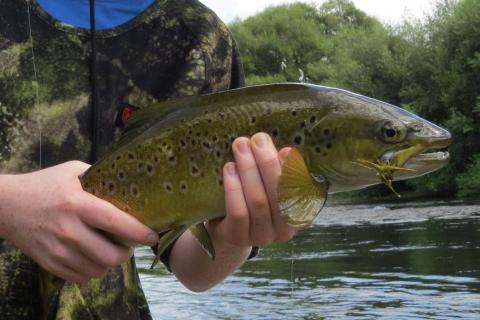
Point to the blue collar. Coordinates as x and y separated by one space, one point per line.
108 13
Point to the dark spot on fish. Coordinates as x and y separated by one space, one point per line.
297 140
121 175
294 113
313 119
221 115
214 138
155 158
326 132
149 168
220 182
205 112
98 170
131 156
113 165
118 158
182 142
218 154
183 186
329 145
169 148
194 170
209 120
318 149
206 145
111 187
193 142
226 145
124 192
164 144
169 130
190 132
171 160
85 185
302 124
198 134
134 190
275 133
325 154
253 120
140 165
103 184
168 187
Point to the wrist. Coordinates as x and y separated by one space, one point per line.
224 247
6 187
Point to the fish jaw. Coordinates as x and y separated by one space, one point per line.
418 159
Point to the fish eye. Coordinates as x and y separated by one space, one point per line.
393 131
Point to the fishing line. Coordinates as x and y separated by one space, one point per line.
93 82
292 277
36 84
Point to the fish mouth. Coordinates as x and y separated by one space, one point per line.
429 158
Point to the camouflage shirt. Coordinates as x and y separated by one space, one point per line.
174 48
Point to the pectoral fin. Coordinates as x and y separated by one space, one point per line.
301 196
164 241
202 236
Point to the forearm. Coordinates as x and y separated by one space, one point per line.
196 270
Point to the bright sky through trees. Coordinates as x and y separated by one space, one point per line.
386 10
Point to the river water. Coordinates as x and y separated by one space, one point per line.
389 261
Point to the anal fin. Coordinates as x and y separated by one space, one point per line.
301 195
201 234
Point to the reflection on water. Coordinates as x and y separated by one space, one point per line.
358 262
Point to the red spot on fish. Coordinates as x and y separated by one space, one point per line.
124 114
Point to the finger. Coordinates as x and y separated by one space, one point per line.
236 224
76 261
283 153
98 248
268 162
261 228
100 214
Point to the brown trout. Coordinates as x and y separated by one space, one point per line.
167 168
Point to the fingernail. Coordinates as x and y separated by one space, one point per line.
243 146
260 140
231 169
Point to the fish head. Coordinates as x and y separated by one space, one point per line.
375 142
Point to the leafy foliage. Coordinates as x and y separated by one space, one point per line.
431 67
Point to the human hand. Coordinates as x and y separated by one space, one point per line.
49 217
252 213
